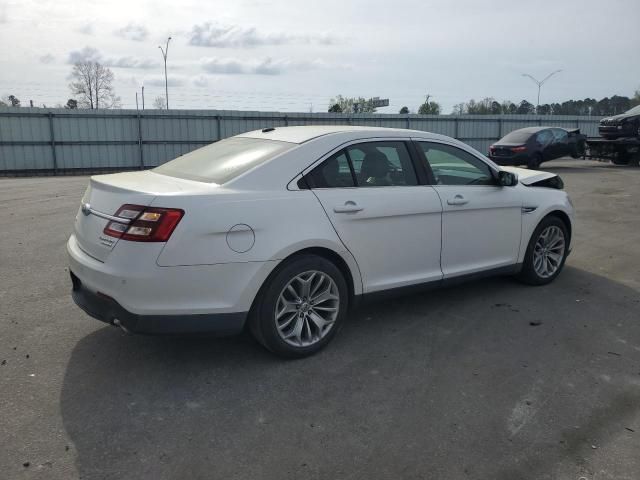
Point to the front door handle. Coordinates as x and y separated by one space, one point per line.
348 207
458 200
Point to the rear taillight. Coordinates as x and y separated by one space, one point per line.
146 224
518 149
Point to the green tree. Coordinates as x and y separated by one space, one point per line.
429 108
544 109
636 98
335 108
12 101
352 104
508 107
71 104
404 110
525 108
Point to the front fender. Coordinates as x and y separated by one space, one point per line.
546 201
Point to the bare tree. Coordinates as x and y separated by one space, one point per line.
93 84
160 103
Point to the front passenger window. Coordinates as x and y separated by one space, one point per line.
453 166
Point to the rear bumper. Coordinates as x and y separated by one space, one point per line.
106 309
131 276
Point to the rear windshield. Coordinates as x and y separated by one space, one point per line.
224 160
516 137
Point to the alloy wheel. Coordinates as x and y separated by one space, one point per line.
307 308
548 251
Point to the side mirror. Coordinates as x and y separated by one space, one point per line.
507 179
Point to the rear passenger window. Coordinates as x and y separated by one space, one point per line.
380 164
332 173
560 135
372 164
544 137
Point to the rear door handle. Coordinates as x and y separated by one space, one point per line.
348 207
458 200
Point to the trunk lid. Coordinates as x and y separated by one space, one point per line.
107 193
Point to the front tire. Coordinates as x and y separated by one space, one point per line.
546 253
301 307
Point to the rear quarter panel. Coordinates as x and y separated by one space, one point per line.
281 223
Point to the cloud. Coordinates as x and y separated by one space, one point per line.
86 29
267 66
224 66
200 81
48 58
131 62
4 16
234 36
87 54
134 32
158 81
90 54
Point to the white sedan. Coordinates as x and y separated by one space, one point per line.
283 230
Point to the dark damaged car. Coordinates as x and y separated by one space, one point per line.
626 124
533 145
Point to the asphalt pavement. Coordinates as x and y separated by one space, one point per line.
487 380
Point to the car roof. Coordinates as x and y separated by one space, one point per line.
302 134
530 129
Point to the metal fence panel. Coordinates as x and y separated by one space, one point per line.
57 140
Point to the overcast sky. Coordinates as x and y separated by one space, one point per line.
293 55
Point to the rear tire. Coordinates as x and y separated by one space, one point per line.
579 149
546 253
301 307
534 161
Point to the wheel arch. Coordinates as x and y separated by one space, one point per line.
352 278
334 258
563 217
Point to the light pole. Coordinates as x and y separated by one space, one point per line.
540 83
165 51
